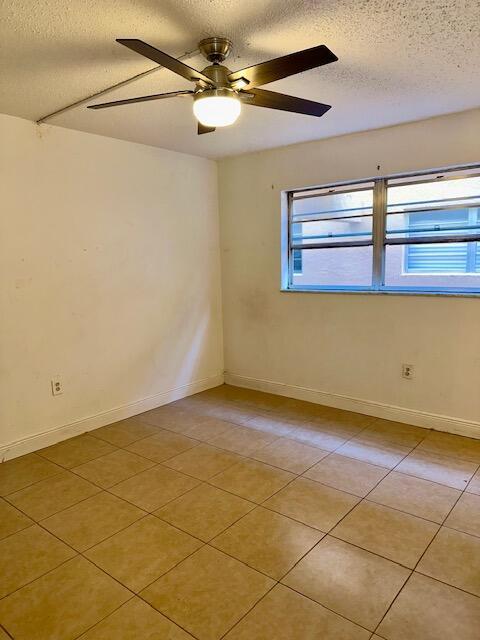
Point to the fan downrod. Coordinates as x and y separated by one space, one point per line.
215 49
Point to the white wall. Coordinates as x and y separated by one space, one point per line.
347 348
109 277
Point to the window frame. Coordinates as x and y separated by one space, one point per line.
379 239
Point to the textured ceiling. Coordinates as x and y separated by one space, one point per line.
399 60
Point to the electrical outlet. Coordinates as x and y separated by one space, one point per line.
408 371
57 387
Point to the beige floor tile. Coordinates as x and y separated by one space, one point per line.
21 472
243 440
209 429
405 435
153 488
11 520
448 444
344 417
252 480
312 503
113 468
299 411
136 620
202 462
454 557
28 554
75 451
205 511
451 472
162 446
290 455
54 494
350 581
123 433
191 403
416 496
284 614
228 411
474 484
382 454
63 603
260 401
465 516
392 534
171 418
291 414
91 521
323 437
143 552
267 541
268 423
347 474
226 392
342 422
253 400
207 593
429 610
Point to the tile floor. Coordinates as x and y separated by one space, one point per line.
242 515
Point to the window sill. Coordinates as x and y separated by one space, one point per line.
388 292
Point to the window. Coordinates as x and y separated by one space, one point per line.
417 233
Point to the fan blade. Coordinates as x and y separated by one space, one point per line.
274 100
284 66
165 60
203 129
158 96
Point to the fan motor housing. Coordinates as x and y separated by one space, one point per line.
218 73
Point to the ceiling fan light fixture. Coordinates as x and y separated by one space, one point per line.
217 107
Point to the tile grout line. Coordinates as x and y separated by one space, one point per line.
247 612
2 628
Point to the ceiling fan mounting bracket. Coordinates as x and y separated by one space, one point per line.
215 49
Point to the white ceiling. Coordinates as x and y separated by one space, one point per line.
399 60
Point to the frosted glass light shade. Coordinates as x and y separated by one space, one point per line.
217 111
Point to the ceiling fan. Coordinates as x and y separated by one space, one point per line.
219 92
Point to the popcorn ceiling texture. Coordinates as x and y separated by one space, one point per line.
400 60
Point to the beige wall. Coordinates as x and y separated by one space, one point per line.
345 346
109 276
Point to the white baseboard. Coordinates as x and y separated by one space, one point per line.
369 407
57 434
